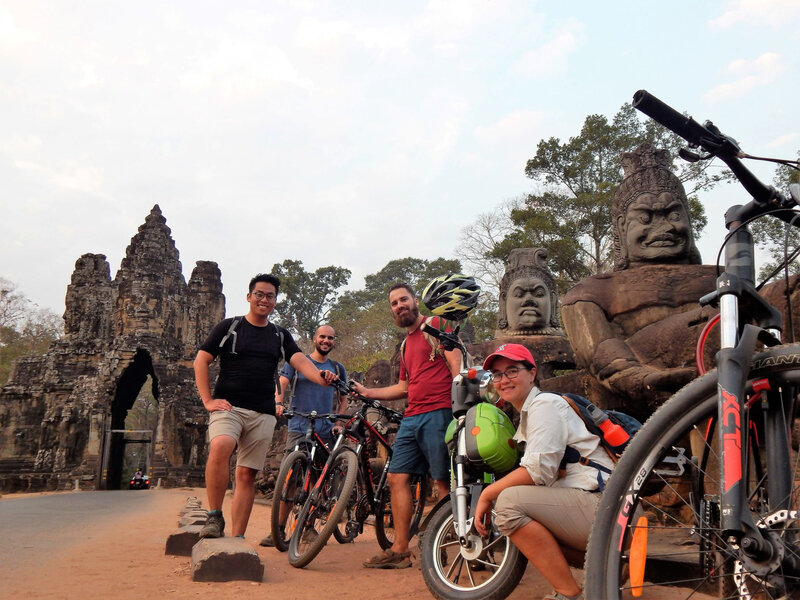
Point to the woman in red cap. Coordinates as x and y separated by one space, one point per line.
544 507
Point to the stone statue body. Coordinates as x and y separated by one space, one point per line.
634 330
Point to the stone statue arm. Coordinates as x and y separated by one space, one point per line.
202 380
600 349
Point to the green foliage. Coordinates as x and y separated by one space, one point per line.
771 234
365 329
306 298
571 216
416 272
25 329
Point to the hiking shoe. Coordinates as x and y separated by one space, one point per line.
554 595
267 541
389 559
214 527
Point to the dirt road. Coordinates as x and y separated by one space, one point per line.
125 561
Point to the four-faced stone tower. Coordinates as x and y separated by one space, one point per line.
62 415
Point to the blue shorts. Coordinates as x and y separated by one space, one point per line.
419 447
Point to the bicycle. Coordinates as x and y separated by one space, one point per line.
298 472
348 492
705 497
457 562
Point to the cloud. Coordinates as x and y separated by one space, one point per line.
454 20
10 33
782 140
550 58
70 176
244 69
773 13
515 126
314 33
746 75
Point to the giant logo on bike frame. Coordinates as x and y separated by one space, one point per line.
773 361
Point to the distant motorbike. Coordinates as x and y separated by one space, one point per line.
142 483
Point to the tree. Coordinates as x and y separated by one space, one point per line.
306 298
362 319
25 329
478 241
771 234
570 214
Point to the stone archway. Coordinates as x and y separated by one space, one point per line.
116 436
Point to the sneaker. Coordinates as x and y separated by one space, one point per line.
267 541
389 559
214 527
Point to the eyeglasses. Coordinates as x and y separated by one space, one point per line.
259 295
510 373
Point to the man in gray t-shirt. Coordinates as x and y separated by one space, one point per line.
309 396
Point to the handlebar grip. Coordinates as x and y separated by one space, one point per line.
684 126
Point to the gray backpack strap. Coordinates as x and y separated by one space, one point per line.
231 332
293 388
283 358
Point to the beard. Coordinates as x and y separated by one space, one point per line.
406 319
323 351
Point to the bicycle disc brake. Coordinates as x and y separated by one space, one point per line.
765 573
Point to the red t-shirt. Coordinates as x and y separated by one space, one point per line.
429 381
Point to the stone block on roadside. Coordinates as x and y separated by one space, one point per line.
225 559
180 542
196 517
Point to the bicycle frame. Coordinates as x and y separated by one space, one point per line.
737 297
362 433
737 342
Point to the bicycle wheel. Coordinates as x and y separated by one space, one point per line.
384 522
289 490
489 569
669 476
349 526
323 508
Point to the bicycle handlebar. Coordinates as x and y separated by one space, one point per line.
709 137
393 415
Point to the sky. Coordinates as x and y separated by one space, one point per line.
340 132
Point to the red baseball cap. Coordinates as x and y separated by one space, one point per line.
516 352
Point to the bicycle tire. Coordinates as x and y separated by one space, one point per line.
490 569
288 488
678 494
326 507
384 521
348 528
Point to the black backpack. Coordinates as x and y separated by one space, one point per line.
279 332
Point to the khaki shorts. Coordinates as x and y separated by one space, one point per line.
252 431
566 512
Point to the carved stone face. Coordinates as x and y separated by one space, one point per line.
655 228
528 304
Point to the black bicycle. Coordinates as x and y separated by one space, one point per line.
298 473
705 497
354 485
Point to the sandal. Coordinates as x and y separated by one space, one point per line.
389 559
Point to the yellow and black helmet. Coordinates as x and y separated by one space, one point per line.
451 296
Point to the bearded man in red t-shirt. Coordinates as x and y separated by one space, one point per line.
426 375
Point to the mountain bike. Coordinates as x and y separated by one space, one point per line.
457 562
705 497
298 473
349 491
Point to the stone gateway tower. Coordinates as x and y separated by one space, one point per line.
62 415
